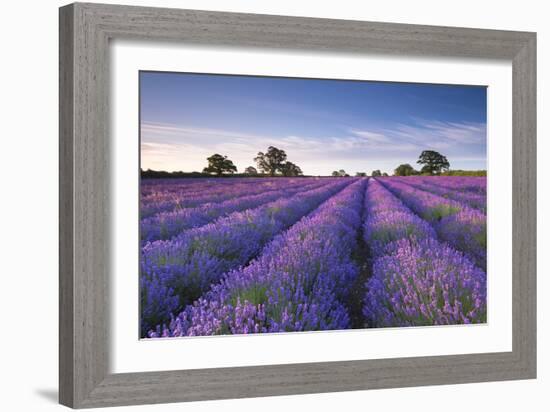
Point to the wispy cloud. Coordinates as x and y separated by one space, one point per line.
371 137
182 147
157 148
440 134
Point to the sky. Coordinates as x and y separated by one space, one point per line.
322 125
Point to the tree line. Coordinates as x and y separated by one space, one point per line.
433 163
274 163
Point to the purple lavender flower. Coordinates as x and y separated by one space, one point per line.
191 262
278 255
454 191
167 195
388 220
299 282
456 223
467 231
165 225
425 282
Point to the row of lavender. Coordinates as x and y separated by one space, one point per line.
301 280
456 223
416 279
456 183
165 225
200 282
176 272
471 195
168 195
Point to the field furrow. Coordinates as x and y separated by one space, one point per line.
473 199
463 227
160 201
457 183
416 279
301 280
166 225
176 272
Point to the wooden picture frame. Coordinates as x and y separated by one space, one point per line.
85 31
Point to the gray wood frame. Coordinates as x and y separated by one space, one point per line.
85 31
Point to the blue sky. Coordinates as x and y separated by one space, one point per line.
323 125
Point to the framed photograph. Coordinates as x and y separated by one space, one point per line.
256 205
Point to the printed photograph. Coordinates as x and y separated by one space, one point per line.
277 205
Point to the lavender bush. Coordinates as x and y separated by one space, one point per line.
166 195
424 282
457 183
257 255
300 281
165 225
388 220
461 226
475 199
187 265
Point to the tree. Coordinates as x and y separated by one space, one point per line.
434 162
360 174
384 174
250 170
426 171
289 169
218 164
340 173
376 173
272 161
404 170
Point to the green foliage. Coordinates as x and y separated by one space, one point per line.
272 161
404 170
289 169
390 231
465 173
340 173
440 211
255 294
434 162
218 165
376 173
250 170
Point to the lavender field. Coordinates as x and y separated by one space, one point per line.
262 255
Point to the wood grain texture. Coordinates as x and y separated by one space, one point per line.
66 228
85 31
524 225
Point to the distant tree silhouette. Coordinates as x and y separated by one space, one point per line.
289 169
404 170
376 173
360 174
465 173
340 173
218 165
434 162
272 161
384 174
250 170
